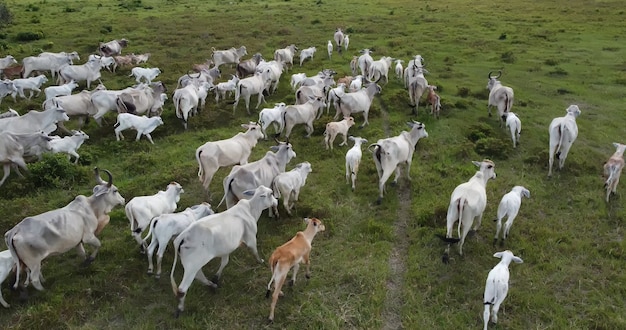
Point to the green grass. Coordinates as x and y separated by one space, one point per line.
552 53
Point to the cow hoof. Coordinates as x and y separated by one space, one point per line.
308 276
379 201
215 280
270 321
290 282
87 261
394 183
445 258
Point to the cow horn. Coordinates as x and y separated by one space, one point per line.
499 74
97 174
489 74
110 178
276 139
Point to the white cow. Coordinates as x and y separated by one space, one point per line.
285 55
33 84
235 150
307 53
166 226
258 173
148 74
353 159
69 144
500 96
273 70
144 125
57 231
15 147
391 152
228 56
380 69
509 207
497 285
250 86
329 48
339 38
113 47
468 202
303 114
274 116
62 90
6 266
365 62
417 86
107 62
222 88
515 127
346 42
563 133
218 235
613 169
6 88
141 209
399 69
357 102
89 72
296 79
288 185
45 63
186 101
34 121
140 100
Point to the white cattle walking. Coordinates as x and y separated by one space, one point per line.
563 132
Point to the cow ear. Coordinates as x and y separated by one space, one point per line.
616 145
518 260
274 148
306 220
498 254
476 163
100 190
526 193
249 192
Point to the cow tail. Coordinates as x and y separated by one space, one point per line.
275 189
176 252
153 224
200 171
8 237
461 205
179 114
121 106
227 190
274 268
561 131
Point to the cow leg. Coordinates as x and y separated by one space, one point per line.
138 135
250 242
149 138
95 242
366 122
246 98
153 245
80 249
278 284
223 263
397 176
7 170
202 278
73 153
563 154
309 130
345 140
381 184
294 273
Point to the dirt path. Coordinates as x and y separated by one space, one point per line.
392 316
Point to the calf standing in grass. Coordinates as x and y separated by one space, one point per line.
288 184
142 124
563 133
434 100
6 265
497 285
69 144
353 160
613 169
290 255
337 127
509 206
515 126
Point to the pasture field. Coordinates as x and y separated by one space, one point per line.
376 266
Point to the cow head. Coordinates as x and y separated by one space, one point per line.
573 110
107 192
493 80
487 167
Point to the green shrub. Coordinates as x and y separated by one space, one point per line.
29 36
508 57
463 92
48 45
551 62
70 10
55 171
558 72
35 20
494 148
5 14
480 131
32 7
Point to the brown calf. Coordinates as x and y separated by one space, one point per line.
613 169
434 100
13 72
289 255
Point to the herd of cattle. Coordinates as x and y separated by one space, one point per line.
251 187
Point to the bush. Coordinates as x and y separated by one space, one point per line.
493 148
480 131
508 57
29 36
54 170
5 14
463 92
48 45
